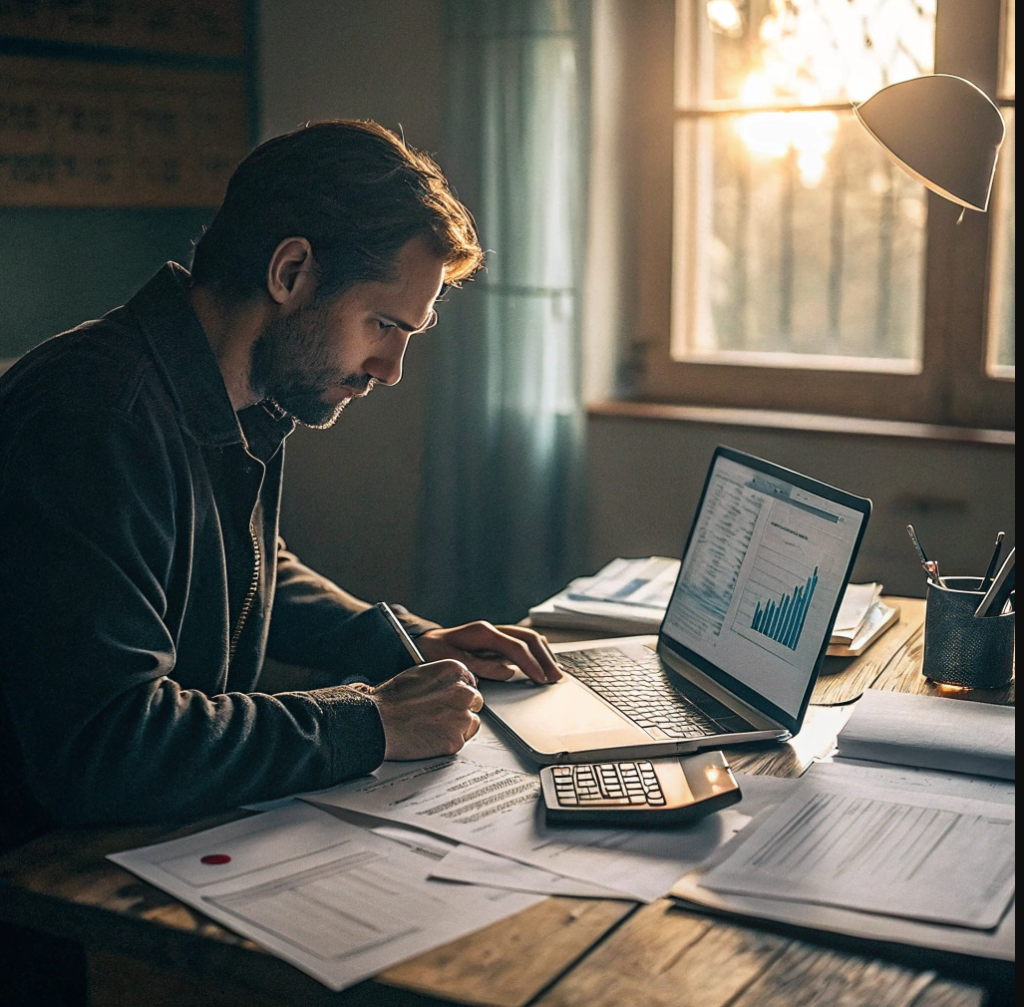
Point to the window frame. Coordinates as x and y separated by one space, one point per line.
953 385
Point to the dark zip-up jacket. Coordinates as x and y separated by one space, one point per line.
142 583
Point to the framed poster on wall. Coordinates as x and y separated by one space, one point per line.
76 133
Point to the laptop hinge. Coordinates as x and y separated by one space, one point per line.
716 691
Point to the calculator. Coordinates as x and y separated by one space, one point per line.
643 793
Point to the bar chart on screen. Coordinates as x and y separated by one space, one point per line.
782 620
783 591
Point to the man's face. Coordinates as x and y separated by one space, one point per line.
314 360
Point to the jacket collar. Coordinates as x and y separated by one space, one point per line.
186 359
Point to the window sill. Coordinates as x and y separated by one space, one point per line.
810 422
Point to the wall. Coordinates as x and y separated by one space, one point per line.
352 492
351 496
646 477
61 267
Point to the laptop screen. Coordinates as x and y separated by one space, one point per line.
762 576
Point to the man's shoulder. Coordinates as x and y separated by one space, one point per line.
104 365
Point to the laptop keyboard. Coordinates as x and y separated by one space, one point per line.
642 692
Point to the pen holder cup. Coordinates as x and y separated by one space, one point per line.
960 649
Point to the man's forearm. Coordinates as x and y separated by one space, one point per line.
315 624
159 752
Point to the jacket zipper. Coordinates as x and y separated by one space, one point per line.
250 595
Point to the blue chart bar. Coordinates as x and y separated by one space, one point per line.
783 621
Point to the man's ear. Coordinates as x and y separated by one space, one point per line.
291 274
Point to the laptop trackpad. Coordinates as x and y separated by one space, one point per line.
565 716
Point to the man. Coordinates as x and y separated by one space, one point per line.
141 462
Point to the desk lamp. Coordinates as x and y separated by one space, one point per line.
943 131
946 133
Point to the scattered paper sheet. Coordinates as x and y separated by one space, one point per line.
866 846
484 798
1000 943
477 867
337 901
979 788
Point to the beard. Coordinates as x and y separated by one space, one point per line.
291 365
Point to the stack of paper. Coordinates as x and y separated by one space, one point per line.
862 618
932 732
887 849
627 596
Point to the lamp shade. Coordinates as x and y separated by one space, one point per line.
943 131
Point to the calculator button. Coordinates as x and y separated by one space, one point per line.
567 799
655 801
562 771
637 799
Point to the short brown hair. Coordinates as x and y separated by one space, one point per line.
355 190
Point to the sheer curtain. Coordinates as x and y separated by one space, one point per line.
503 512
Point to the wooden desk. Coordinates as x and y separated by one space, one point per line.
146 948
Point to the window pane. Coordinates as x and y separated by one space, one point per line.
1008 84
810 51
805 254
793 232
1002 302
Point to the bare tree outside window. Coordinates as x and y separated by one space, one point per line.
796 241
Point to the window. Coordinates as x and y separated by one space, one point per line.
1001 334
805 270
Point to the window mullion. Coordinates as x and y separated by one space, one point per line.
957 256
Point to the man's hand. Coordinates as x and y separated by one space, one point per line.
427 710
496 652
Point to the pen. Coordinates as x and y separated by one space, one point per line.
990 572
403 633
917 545
930 566
1000 590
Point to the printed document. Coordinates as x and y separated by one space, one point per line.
478 867
1000 943
470 866
484 798
864 846
337 901
645 582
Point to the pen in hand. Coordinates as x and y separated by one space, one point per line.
403 633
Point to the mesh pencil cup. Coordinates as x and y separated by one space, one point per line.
960 649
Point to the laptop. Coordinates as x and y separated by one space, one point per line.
760 583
